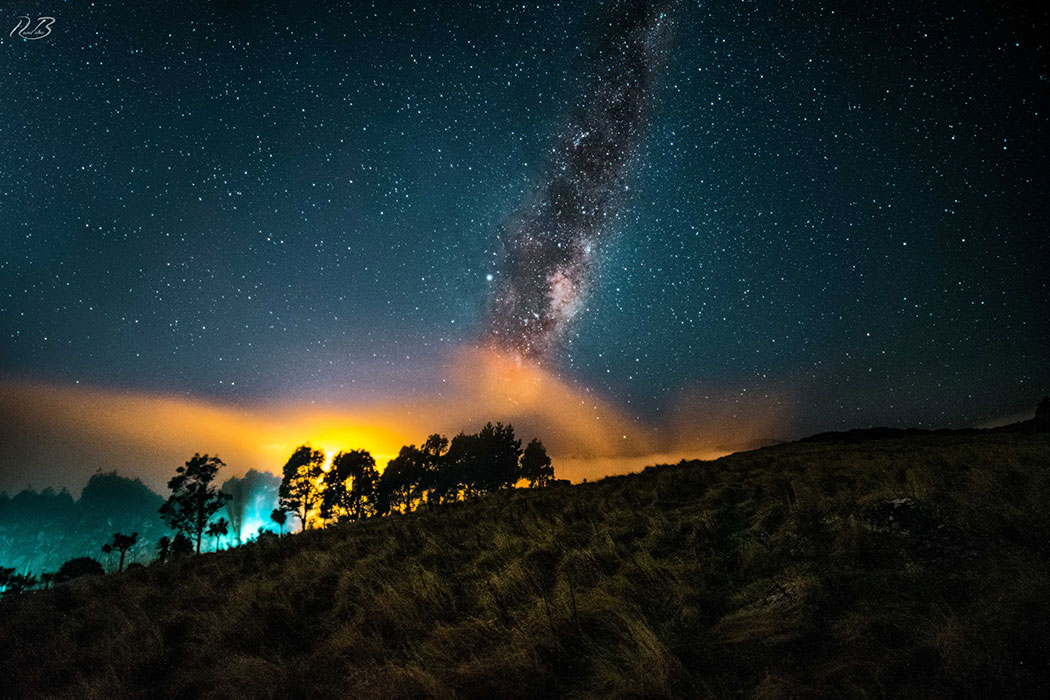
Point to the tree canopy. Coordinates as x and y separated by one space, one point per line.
193 499
300 490
75 568
217 529
481 463
349 487
440 471
121 543
279 517
536 465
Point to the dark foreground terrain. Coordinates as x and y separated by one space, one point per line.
900 566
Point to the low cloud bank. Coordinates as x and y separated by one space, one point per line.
58 435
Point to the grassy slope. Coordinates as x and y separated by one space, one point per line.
769 574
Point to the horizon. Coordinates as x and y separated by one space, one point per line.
579 468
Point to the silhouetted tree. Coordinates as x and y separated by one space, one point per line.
536 465
349 486
500 452
46 578
193 499
484 462
164 548
107 549
399 485
279 517
300 490
121 543
432 483
435 445
75 568
457 472
263 534
168 547
217 529
181 545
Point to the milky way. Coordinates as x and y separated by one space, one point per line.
551 243
838 207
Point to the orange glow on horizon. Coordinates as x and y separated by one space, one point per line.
59 435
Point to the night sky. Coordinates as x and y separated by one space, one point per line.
831 213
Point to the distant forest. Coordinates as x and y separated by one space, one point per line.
39 530
118 521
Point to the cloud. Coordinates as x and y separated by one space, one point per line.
58 435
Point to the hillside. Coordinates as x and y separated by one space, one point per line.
908 566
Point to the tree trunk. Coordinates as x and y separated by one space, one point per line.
121 566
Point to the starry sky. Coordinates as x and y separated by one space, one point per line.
832 215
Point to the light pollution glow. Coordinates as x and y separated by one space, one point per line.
59 435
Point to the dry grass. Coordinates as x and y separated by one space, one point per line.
791 572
